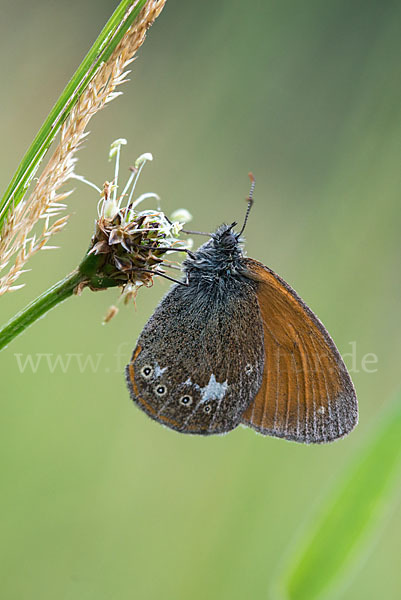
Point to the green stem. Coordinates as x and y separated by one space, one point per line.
91 271
99 52
36 309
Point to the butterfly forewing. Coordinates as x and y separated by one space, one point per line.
306 393
199 360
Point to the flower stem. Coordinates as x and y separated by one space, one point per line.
90 273
36 309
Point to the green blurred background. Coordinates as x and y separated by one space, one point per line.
97 501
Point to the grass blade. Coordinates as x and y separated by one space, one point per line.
348 516
99 52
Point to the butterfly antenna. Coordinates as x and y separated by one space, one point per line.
250 202
191 232
196 232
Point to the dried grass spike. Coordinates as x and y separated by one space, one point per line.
44 198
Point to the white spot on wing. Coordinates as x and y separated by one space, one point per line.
159 371
213 390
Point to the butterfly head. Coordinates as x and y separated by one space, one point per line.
219 256
225 238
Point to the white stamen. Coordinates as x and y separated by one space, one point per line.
181 214
142 159
143 197
82 178
115 145
139 164
135 182
126 188
115 150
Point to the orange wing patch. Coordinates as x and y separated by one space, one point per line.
131 370
306 393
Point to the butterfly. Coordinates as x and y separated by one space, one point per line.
233 344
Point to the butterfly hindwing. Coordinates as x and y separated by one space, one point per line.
199 360
306 393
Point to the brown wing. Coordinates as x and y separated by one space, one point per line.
306 393
199 360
